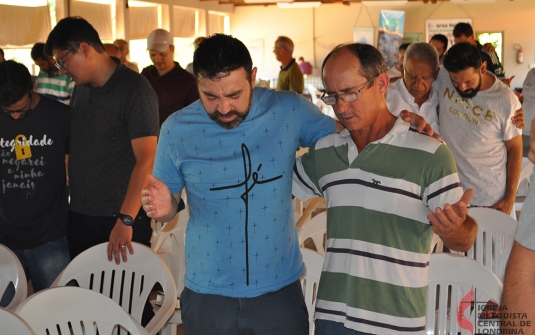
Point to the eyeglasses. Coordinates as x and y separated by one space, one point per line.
24 110
412 78
346 97
59 62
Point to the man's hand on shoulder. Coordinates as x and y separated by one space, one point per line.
419 122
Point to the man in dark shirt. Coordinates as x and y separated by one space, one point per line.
114 123
463 32
176 88
34 145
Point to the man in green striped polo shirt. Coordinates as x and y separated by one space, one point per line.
388 189
49 81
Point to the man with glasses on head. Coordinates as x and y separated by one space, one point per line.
34 144
114 122
388 189
415 92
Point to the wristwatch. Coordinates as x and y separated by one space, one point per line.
127 219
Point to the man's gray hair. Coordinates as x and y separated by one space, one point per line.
424 52
285 43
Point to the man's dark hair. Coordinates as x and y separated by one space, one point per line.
404 46
462 56
2 52
221 54
69 33
462 28
15 82
38 52
441 38
371 61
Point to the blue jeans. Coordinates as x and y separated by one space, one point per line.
275 313
44 263
327 327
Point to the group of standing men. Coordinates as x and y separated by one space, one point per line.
233 150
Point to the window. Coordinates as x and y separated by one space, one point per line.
494 38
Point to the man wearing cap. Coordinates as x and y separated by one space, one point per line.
176 88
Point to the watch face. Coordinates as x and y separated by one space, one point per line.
128 220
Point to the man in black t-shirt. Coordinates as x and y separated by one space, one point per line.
34 144
114 123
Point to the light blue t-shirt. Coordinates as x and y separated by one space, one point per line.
241 239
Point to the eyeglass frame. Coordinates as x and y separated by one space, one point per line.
59 62
325 99
23 110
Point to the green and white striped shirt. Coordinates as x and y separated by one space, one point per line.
374 278
58 87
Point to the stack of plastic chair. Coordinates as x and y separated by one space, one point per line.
76 311
12 275
459 289
11 323
128 284
314 263
316 230
495 238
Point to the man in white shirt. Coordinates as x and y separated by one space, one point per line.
476 110
415 92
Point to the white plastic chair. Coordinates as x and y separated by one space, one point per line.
451 278
11 272
128 284
76 311
315 229
11 323
169 244
523 184
309 283
326 109
494 241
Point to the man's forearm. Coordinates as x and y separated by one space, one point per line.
519 289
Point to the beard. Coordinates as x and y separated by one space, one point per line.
471 92
240 116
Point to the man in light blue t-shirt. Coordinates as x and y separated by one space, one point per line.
234 151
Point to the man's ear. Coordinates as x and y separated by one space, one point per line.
253 77
483 67
382 81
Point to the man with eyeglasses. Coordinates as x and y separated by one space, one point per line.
415 91
388 189
114 122
478 122
34 146
233 152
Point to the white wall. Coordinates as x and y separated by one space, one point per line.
259 26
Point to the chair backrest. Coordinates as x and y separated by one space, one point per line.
11 272
11 323
455 284
523 181
313 93
169 244
310 282
315 229
75 311
494 241
128 284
